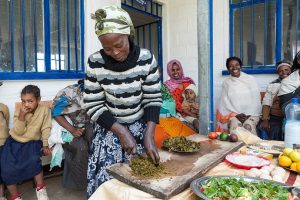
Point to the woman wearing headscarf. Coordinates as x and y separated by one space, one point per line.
290 86
239 105
70 116
272 115
122 95
177 82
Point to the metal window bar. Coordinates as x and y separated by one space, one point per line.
75 35
47 39
297 25
35 35
24 34
68 32
58 35
12 35
265 32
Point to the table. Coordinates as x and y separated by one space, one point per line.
116 190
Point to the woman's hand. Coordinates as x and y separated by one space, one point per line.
149 145
265 125
128 142
242 117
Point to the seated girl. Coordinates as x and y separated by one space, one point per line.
239 104
22 151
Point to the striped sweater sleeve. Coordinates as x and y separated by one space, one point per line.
94 100
151 93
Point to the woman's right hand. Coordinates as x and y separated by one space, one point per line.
128 142
241 117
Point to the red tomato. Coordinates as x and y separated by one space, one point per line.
212 135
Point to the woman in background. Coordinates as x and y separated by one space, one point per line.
177 82
239 105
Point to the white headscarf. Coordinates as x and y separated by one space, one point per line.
290 83
240 95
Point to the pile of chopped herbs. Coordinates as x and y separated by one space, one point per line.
145 167
232 188
181 144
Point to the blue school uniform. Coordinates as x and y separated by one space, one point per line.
20 161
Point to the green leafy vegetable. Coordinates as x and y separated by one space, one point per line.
232 188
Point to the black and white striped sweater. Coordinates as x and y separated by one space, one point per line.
123 93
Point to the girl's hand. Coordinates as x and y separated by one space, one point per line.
46 151
23 112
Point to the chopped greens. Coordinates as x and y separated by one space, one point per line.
232 188
145 167
182 144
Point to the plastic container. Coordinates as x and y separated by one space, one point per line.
292 126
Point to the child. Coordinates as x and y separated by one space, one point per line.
190 105
22 151
4 121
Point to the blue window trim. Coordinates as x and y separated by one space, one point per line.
270 69
48 74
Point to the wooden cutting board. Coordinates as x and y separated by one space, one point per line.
181 168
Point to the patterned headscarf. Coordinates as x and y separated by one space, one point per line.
173 83
112 19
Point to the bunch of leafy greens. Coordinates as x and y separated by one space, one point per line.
232 188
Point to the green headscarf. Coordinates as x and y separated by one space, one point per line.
112 19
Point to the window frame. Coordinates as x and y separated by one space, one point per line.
49 73
258 69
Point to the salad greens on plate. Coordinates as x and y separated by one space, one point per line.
232 188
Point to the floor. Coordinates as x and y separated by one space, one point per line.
54 189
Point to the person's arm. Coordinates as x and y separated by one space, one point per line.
151 102
76 132
149 144
265 118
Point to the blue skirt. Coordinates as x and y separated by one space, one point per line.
106 150
1 148
20 161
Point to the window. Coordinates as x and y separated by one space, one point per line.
41 39
263 32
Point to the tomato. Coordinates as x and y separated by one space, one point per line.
212 135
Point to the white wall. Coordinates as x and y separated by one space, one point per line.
180 35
